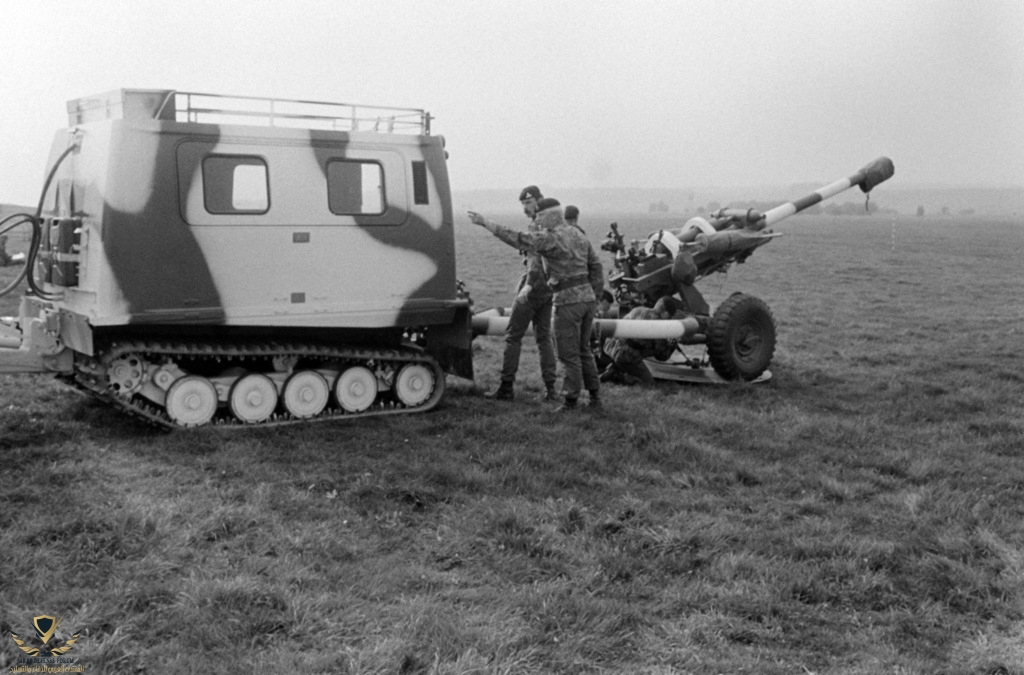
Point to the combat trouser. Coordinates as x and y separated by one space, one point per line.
537 312
573 323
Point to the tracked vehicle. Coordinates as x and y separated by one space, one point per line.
202 259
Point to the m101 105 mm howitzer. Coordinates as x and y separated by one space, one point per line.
737 340
740 334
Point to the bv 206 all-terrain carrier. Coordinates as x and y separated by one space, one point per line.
203 259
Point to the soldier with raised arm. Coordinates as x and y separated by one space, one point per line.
532 304
575 275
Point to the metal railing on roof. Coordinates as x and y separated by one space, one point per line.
277 112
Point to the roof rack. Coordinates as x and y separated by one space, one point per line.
183 106
214 108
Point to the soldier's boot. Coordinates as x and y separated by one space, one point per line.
595 399
502 393
552 393
568 405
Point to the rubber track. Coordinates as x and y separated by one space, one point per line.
137 406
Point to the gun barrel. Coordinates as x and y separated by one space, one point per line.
487 323
869 176
648 329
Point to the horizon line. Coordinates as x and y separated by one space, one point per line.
918 186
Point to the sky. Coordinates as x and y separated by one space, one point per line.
572 93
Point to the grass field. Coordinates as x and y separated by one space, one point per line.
861 513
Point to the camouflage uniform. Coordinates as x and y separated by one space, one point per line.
628 354
574 272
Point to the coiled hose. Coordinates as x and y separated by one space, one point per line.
18 218
36 221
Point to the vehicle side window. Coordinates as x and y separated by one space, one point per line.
235 184
419 183
355 188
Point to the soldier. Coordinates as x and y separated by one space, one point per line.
572 217
575 274
627 355
5 257
532 304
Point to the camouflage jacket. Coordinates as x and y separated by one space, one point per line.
535 275
573 269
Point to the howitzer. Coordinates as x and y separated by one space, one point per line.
673 259
740 335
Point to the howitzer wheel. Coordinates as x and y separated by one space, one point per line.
356 389
191 401
253 398
305 394
741 338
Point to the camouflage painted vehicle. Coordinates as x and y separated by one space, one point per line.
203 259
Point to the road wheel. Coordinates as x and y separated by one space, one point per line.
356 389
253 398
741 338
305 394
414 384
191 401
